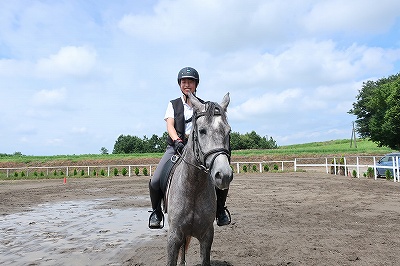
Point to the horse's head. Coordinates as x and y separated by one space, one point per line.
211 139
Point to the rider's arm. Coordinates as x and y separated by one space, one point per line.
171 129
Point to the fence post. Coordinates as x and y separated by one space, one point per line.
237 167
326 165
394 168
358 168
334 165
295 164
376 176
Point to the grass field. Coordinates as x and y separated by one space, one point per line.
335 148
314 149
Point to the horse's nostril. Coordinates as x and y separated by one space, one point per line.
218 175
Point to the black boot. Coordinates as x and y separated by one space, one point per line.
223 215
156 217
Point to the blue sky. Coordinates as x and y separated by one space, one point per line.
74 75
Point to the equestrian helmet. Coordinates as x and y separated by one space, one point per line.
188 72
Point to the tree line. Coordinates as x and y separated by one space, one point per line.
126 144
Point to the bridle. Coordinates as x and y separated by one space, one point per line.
212 109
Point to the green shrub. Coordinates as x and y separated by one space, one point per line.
145 172
82 172
254 168
75 172
124 171
102 172
266 168
244 168
55 173
276 168
115 171
41 173
94 173
22 173
16 174
35 174
136 171
370 172
354 173
61 173
388 174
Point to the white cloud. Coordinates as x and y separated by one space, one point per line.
293 68
267 104
353 17
49 97
69 61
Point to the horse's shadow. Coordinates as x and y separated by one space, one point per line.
218 263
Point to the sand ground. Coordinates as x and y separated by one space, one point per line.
278 219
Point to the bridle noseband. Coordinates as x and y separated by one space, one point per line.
212 109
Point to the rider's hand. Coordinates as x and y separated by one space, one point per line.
178 146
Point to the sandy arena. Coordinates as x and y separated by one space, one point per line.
278 219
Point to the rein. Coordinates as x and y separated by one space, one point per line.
212 109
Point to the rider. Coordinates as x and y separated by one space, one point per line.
178 118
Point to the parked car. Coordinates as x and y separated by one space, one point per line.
387 162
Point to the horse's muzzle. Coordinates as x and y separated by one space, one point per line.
222 172
222 181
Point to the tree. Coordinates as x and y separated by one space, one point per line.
128 144
251 141
103 150
378 111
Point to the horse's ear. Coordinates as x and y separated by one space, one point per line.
225 101
195 102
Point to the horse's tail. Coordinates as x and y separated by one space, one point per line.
187 242
183 250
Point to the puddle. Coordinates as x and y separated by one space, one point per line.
72 233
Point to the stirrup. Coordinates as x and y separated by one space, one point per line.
161 223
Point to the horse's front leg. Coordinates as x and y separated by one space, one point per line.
205 246
174 242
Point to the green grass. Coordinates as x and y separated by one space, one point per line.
75 158
333 147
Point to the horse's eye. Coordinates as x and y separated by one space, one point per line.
202 131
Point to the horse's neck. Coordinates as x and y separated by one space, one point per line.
190 168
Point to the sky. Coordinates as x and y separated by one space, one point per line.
75 75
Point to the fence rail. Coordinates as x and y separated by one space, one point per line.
333 165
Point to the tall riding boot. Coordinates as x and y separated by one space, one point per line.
156 217
223 215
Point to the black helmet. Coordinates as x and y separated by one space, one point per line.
188 72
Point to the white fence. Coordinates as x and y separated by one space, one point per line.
334 165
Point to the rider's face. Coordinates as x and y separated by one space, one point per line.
187 85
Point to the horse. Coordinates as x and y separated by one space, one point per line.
203 165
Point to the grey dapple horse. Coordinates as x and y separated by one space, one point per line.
204 165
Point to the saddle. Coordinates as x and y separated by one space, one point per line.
166 174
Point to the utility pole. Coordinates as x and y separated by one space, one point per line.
353 136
